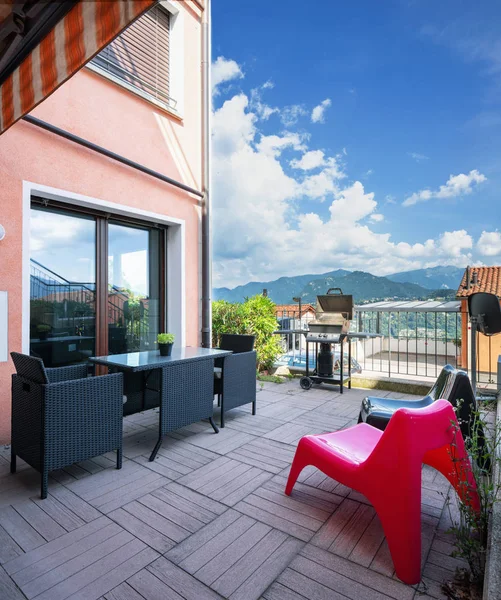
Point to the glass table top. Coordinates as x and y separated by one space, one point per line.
151 359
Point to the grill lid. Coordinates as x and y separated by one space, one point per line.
331 307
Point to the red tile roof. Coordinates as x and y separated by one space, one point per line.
293 309
488 280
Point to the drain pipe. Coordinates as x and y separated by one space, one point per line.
206 206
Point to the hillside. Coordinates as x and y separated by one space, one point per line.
280 290
432 279
363 286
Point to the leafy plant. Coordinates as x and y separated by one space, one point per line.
471 527
255 316
165 338
43 327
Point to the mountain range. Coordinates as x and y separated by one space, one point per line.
412 285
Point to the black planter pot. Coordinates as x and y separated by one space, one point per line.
165 349
43 335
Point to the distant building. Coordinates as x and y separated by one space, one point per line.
291 311
479 279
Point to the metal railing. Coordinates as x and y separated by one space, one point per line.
408 343
68 307
411 343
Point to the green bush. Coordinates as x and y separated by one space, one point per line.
255 316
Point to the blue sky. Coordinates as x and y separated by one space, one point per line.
399 168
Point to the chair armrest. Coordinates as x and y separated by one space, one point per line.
58 374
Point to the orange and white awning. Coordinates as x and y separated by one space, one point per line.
87 28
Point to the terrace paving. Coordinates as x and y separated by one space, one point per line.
209 519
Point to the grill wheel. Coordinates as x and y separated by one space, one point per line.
305 383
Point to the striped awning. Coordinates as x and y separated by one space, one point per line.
87 28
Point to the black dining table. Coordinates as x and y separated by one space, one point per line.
181 385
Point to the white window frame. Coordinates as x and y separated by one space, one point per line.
176 66
176 252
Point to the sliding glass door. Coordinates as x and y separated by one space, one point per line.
96 285
133 288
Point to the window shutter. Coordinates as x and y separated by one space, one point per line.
140 55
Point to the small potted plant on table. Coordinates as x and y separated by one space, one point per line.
165 342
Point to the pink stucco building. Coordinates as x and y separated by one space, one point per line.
98 256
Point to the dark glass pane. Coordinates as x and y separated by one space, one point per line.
62 287
134 288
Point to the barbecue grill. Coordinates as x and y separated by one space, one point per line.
331 326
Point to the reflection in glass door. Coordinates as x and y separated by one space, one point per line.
62 287
133 288
95 285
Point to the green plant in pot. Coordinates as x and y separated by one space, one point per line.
165 342
43 330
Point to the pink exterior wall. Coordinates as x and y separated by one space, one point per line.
110 116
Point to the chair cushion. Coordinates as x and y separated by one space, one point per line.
30 367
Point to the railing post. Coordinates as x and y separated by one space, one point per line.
389 344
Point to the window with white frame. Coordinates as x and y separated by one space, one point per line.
140 56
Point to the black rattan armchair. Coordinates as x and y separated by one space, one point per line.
452 385
60 416
235 375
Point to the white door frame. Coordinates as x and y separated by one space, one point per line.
175 267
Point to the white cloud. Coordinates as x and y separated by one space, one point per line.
389 199
310 160
324 183
489 243
418 157
224 70
274 145
290 115
457 185
318 113
262 230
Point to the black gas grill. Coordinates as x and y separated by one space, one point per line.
331 326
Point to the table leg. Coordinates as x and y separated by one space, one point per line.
214 426
160 412
156 448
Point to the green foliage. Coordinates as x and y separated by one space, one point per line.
165 338
469 526
255 316
271 378
41 327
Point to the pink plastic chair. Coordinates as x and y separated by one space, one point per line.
386 467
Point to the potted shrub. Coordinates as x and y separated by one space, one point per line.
165 342
43 331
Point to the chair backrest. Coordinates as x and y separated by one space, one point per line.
412 432
237 343
454 385
30 367
486 308
430 434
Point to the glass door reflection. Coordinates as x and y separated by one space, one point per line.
62 287
133 288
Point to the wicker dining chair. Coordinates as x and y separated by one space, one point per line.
235 375
60 416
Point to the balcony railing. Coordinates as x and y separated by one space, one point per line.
413 343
